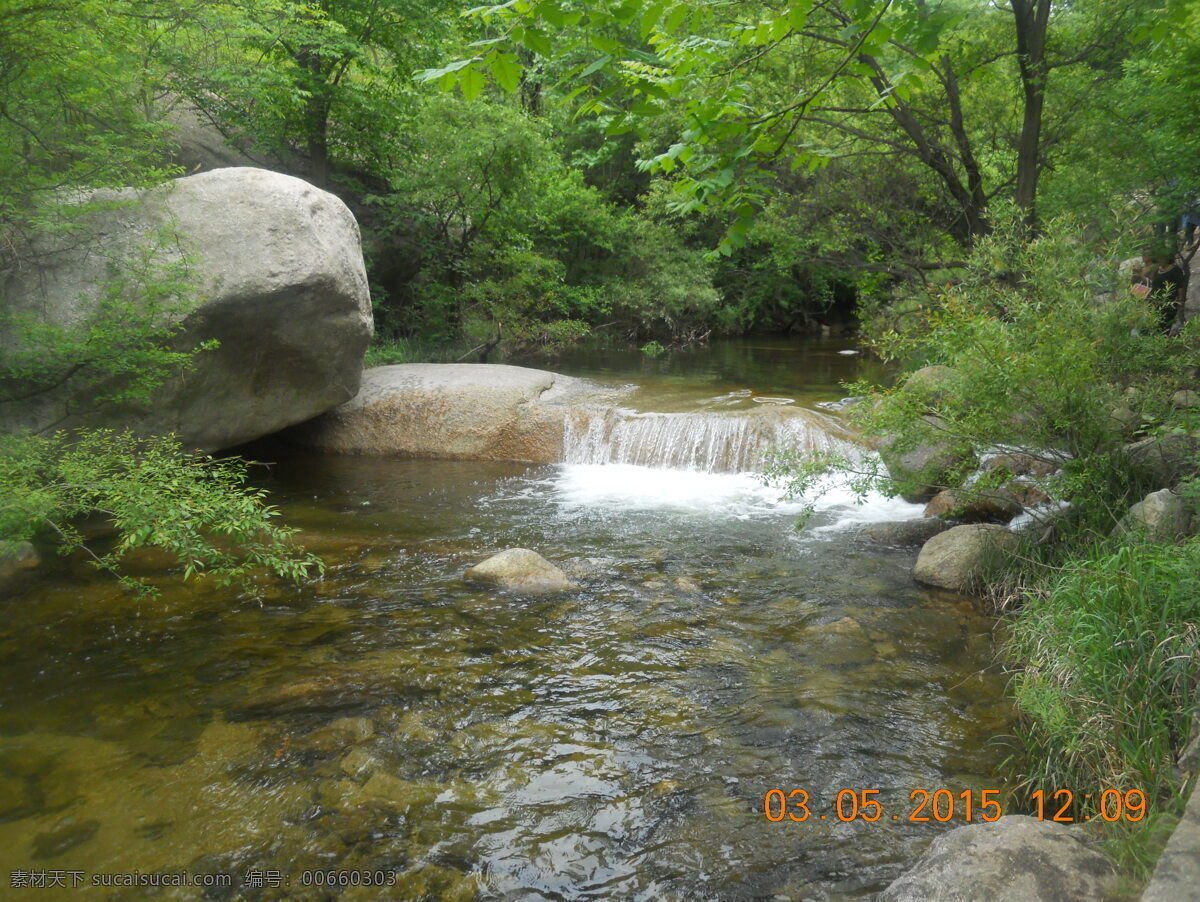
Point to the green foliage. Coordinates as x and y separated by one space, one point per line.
1109 648
513 242
76 82
328 79
1041 342
154 495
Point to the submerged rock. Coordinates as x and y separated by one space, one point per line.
1013 859
16 557
522 570
278 266
958 557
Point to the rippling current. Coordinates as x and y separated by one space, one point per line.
393 722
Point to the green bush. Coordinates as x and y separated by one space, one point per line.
155 496
1042 344
511 238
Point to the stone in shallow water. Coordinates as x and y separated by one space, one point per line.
522 570
904 532
957 558
66 835
1014 859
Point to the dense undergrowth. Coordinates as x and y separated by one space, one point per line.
1107 650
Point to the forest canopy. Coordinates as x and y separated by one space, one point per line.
646 169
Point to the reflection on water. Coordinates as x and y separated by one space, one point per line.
392 719
730 374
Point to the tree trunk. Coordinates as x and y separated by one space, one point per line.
1032 19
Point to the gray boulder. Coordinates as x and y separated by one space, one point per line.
958 557
522 570
1020 464
923 468
464 411
198 144
281 285
1165 459
1161 516
1177 873
1185 399
1013 859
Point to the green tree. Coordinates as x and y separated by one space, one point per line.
327 78
751 86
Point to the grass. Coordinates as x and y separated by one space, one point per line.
385 352
1108 649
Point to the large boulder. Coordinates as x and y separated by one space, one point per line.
1177 873
1013 859
1019 463
924 467
1161 516
279 278
996 506
464 411
958 557
521 570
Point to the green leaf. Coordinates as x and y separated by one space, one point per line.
471 82
675 18
651 16
551 13
506 70
426 75
538 42
596 65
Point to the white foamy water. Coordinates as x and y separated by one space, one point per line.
708 463
737 495
709 442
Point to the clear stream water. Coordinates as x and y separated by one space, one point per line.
395 722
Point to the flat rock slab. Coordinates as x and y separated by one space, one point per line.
460 411
521 570
1014 859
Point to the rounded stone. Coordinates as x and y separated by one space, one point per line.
1013 859
958 557
522 570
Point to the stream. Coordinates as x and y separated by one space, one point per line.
394 732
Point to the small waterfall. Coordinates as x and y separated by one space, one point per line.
706 442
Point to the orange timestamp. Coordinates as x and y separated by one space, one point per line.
940 805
